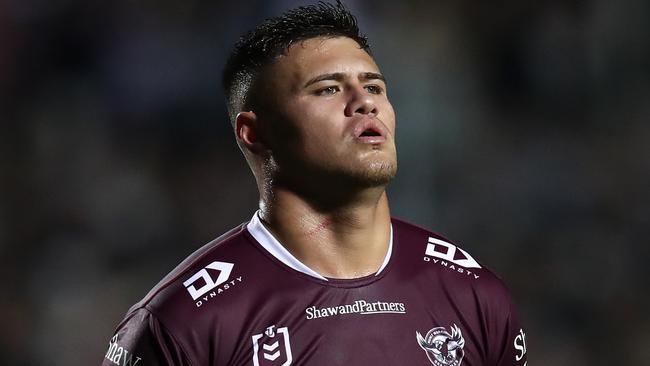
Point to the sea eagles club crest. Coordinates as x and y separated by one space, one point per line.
442 348
275 350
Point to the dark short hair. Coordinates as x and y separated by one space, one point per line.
262 45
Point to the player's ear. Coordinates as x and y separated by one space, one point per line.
248 131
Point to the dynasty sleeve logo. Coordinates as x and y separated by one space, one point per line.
208 283
203 287
275 349
449 252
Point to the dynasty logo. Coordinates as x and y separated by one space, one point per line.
211 287
451 257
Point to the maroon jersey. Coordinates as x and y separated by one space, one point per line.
245 300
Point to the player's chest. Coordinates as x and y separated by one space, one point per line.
358 327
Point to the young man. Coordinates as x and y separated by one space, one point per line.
321 275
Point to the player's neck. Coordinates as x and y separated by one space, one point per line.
345 241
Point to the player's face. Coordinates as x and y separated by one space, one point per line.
330 113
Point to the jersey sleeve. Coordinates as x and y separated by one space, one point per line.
141 340
508 346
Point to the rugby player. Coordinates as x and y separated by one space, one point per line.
321 274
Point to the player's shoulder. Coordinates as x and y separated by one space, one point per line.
211 277
417 239
432 252
197 275
411 232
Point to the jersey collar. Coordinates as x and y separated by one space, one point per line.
276 249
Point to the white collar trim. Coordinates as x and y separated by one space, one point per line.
277 250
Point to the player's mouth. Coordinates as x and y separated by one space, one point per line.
370 131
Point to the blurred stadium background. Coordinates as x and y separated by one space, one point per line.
523 135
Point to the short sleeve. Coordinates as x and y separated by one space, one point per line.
509 340
141 340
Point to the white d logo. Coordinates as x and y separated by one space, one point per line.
451 253
224 268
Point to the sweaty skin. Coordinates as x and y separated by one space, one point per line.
323 150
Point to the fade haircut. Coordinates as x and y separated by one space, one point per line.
261 46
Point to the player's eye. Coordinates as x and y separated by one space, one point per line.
328 90
374 89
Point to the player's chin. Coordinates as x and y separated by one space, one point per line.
378 173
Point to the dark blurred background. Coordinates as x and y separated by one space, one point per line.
522 134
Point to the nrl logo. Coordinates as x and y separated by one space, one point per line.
442 348
275 350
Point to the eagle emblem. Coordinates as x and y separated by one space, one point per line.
443 348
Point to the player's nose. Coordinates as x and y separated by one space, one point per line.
360 102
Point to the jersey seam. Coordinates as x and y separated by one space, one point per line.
504 351
175 339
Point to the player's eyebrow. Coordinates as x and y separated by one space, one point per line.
372 76
339 76
336 76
